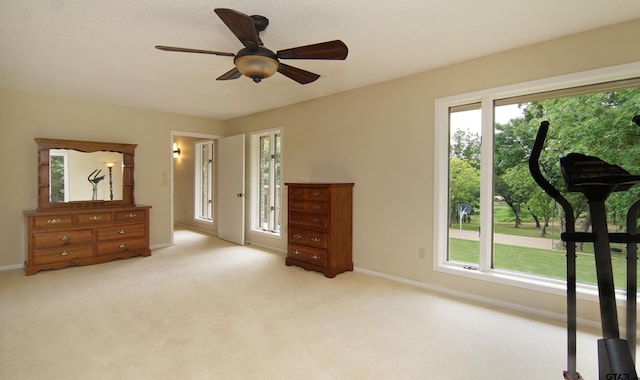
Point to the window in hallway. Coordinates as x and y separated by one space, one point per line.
204 180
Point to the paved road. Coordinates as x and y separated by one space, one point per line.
524 241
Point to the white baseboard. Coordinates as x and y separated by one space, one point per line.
159 246
277 250
11 267
485 300
195 228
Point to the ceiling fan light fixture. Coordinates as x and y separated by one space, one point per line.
257 62
257 65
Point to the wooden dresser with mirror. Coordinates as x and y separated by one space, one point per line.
86 211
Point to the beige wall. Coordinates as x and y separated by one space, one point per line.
25 116
381 138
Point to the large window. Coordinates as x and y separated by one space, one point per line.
492 220
267 151
204 181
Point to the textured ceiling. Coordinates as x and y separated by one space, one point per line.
103 51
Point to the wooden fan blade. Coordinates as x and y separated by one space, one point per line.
241 25
231 74
298 75
324 50
188 50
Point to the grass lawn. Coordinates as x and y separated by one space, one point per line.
545 262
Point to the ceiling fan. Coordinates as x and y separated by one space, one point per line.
257 62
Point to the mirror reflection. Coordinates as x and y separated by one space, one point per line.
82 176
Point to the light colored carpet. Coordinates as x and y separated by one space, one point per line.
207 309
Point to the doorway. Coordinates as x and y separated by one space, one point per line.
227 188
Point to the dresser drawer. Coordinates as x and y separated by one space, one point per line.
121 232
316 207
62 239
310 193
94 218
122 245
132 215
309 219
62 254
307 254
57 221
309 238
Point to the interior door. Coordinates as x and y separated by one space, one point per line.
231 193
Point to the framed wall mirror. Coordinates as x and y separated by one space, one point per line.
73 173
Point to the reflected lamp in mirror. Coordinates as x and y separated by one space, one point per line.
110 165
176 151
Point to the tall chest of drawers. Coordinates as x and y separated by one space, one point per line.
320 227
66 237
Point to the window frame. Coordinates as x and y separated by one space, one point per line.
197 204
487 99
256 183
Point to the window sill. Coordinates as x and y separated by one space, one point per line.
526 281
277 235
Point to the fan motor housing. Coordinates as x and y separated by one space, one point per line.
260 22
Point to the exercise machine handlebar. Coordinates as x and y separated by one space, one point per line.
534 167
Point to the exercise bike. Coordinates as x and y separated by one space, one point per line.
597 179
